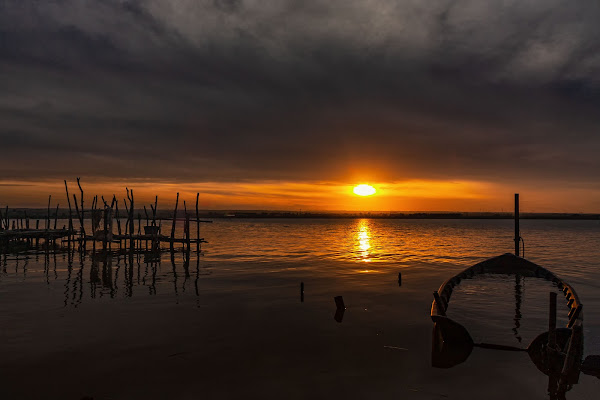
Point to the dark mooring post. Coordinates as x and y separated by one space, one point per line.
48 214
187 231
118 219
56 216
131 228
70 214
197 225
517 231
174 220
82 216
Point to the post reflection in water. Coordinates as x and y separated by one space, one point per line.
108 275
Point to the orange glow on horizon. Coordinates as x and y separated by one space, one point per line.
408 195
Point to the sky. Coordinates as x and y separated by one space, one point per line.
442 106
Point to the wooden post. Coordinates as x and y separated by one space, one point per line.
105 225
156 240
147 224
127 213
70 213
95 217
79 216
187 230
147 217
117 217
131 228
82 217
517 231
197 225
139 229
56 216
48 214
174 220
185 227
154 210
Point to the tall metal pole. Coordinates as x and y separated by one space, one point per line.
517 232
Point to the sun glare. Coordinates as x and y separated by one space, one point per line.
364 190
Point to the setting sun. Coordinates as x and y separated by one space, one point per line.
364 190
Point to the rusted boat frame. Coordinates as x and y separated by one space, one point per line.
506 264
450 333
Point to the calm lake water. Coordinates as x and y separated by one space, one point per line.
230 323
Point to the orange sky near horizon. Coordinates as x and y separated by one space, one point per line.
409 195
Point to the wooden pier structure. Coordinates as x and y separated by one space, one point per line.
106 226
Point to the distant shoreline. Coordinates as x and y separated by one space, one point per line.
38 213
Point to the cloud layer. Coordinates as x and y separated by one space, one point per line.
234 90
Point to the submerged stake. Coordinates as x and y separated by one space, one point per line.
339 302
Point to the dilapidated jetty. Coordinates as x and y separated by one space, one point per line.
103 225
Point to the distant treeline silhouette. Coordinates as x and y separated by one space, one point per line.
34 213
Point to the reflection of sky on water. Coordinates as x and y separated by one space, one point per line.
239 304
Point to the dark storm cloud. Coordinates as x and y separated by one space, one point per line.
233 90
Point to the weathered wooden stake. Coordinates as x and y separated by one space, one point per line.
197 225
79 217
117 216
174 220
517 230
48 214
70 213
139 229
187 230
56 216
131 228
82 217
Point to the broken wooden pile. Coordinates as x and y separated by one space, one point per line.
148 233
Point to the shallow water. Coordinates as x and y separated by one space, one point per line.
230 322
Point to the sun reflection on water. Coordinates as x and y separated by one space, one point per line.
363 237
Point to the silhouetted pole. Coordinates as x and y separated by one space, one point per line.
174 220
56 216
187 230
131 227
117 217
48 214
517 232
197 224
82 216
70 213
